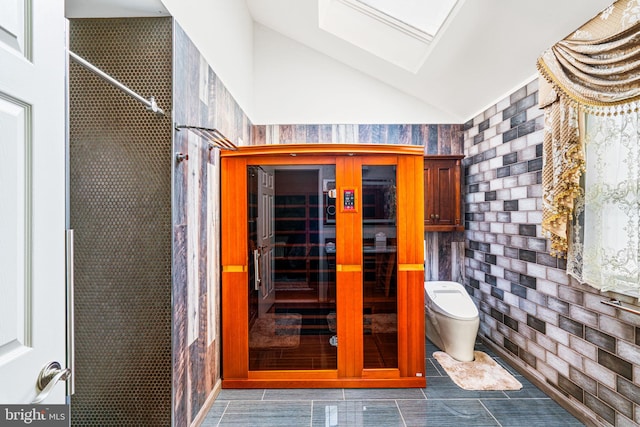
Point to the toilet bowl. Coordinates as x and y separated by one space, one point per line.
451 319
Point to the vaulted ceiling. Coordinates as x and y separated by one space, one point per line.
484 50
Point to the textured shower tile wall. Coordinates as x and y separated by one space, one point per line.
555 328
200 99
120 209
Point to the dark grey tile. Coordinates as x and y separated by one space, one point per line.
528 358
444 413
629 390
503 171
241 394
603 410
215 413
441 403
528 281
480 346
511 205
509 135
433 369
528 390
509 159
304 394
383 393
527 128
356 413
267 413
468 125
511 322
616 364
507 367
445 388
571 326
527 102
518 290
430 348
600 339
521 412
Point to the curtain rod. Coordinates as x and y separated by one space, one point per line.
149 103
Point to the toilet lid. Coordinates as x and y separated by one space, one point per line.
452 301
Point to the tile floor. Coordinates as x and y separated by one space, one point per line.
441 404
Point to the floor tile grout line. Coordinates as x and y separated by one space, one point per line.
404 422
222 415
490 413
424 393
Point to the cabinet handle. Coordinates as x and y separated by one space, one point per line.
433 216
437 216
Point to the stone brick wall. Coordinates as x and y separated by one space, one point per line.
557 331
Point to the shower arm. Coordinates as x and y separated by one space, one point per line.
149 103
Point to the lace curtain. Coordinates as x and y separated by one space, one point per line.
595 70
589 90
604 247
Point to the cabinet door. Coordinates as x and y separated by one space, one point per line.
442 194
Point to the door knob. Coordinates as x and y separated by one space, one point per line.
48 378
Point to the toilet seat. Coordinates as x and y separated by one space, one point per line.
452 300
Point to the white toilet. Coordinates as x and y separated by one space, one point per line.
451 319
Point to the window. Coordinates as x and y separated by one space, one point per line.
605 237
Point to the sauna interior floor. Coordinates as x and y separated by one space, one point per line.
442 403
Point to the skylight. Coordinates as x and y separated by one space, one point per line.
398 31
425 15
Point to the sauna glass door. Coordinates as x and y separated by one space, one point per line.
293 239
292 281
379 278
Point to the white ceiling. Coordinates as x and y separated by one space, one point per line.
485 50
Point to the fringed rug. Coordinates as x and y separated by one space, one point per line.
380 323
276 331
483 373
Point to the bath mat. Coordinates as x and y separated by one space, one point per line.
275 331
483 373
380 323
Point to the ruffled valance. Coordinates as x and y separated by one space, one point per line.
595 70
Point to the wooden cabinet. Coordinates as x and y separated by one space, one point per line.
442 193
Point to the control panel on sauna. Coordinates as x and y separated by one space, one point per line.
349 199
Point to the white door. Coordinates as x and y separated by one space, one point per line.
266 238
32 196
